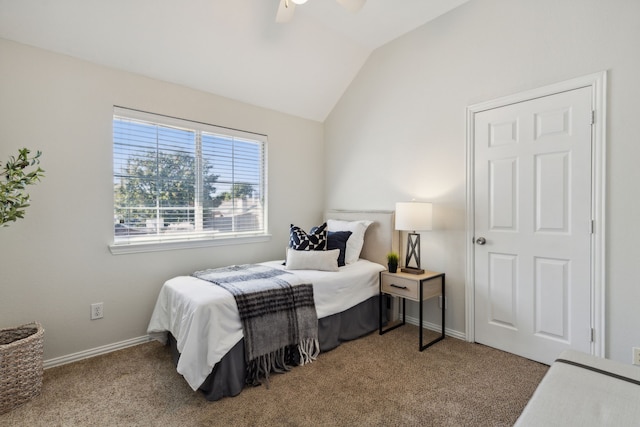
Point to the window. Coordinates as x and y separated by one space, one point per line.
177 180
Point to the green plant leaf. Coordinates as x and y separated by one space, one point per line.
13 199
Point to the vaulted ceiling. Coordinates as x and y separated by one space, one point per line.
232 48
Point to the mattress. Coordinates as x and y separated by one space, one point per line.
205 322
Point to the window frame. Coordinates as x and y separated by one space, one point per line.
196 239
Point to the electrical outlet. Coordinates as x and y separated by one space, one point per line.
97 311
636 356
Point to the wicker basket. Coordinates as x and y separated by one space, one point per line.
21 368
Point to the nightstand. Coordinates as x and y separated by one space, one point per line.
415 287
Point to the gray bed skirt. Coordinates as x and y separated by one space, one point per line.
228 376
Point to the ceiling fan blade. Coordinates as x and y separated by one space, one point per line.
285 11
352 5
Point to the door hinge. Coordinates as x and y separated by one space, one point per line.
593 116
593 335
593 226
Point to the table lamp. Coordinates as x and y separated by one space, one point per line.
412 217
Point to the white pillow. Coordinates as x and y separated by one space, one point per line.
355 241
312 260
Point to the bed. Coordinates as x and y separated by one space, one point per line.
202 325
584 390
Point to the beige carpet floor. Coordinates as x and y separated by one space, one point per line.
374 381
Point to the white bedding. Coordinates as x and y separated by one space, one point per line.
204 317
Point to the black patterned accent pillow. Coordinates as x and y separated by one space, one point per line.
315 240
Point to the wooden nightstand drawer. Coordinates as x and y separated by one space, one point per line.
400 286
406 286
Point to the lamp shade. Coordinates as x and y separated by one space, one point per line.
414 216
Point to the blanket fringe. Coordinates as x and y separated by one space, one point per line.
309 350
281 361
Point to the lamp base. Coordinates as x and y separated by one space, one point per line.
411 270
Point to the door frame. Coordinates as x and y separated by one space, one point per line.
597 82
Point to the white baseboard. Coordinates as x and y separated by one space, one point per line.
92 352
437 328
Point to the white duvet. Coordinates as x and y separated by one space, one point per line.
204 317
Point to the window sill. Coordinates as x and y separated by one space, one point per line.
133 248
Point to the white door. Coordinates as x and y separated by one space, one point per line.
533 225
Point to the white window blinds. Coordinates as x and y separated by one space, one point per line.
178 179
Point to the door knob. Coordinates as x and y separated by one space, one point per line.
481 241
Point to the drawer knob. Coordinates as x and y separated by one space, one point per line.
399 287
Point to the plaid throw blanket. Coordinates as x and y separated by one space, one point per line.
278 316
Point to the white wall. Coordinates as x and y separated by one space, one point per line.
399 131
56 262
